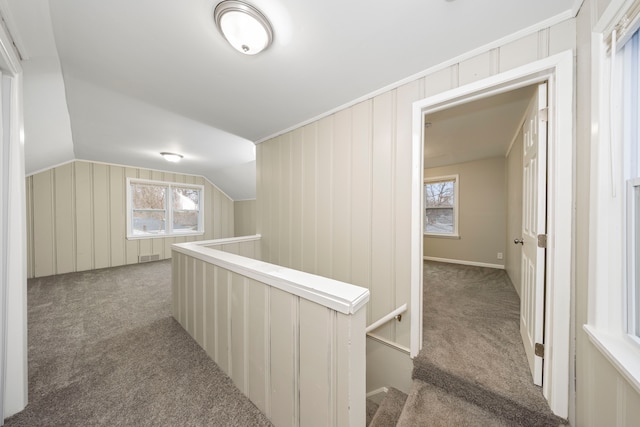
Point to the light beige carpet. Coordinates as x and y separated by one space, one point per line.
104 350
472 350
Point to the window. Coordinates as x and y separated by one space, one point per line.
441 206
614 239
162 209
630 67
633 250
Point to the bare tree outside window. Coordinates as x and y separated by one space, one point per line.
160 209
149 209
440 204
185 208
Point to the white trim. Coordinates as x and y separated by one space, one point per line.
622 354
169 231
388 343
8 52
559 71
631 281
548 23
456 203
339 296
12 30
377 391
608 326
132 167
66 162
14 392
464 262
228 240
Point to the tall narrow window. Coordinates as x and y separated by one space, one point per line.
161 209
441 206
629 65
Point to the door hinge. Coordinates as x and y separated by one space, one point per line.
543 114
542 240
539 350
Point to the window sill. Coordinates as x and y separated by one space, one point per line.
442 236
620 352
163 236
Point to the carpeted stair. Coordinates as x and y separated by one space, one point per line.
472 370
389 410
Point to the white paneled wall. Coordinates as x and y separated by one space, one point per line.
299 360
76 218
334 195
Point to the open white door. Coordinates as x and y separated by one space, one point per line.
533 238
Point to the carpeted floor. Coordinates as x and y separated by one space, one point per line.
104 350
472 353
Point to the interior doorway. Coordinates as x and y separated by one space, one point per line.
558 71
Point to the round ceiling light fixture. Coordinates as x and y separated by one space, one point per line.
171 157
244 26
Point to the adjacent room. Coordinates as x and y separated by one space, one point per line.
301 213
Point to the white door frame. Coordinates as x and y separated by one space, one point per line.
13 274
558 70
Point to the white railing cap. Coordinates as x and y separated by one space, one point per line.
339 296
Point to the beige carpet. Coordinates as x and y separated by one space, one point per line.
104 350
473 354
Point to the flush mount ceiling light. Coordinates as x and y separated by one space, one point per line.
244 26
171 157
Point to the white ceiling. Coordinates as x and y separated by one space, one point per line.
476 130
119 81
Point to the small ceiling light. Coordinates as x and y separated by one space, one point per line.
244 26
171 157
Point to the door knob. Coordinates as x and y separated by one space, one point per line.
516 241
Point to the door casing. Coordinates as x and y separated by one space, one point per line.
558 70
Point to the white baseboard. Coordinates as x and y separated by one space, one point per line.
463 262
378 395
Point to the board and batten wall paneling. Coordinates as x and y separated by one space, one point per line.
382 204
298 361
244 217
355 165
76 218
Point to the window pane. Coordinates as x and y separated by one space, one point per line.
439 194
439 220
148 222
636 243
185 221
148 196
186 199
439 201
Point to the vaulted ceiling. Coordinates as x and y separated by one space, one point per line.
119 81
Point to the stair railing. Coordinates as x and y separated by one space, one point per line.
395 314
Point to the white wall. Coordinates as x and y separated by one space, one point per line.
76 218
333 196
481 210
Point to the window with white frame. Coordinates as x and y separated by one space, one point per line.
629 94
613 324
441 206
163 209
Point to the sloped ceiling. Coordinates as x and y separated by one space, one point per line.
144 76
